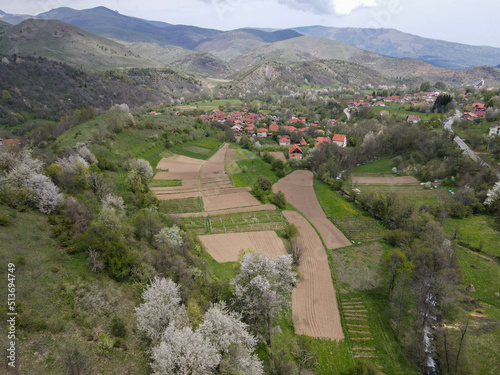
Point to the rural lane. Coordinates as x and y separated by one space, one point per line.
463 146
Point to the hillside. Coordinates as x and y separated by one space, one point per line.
231 44
394 43
309 49
66 43
180 58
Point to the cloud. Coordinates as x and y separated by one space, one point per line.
321 7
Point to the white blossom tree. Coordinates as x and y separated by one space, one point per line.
263 288
170 236
184 352
229 335
143 168
85 153
161 309
492 195
45 194
112 201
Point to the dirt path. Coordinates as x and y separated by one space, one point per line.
226 247
299 191
385 180
314 303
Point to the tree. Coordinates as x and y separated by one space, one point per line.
229 335
6 97
45 194
184 352
492 195
264 183
279 199
263 288
161 308
170 236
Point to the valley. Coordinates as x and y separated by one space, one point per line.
268 201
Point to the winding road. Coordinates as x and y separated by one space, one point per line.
463 146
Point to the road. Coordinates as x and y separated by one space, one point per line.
346 111
463 146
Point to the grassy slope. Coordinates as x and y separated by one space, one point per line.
62 304
380 166
202 148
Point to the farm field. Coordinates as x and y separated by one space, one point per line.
225 201
414 193
299 192
239 222
202 148
384 180
314 303
183 205
379 167
226 247
278 155
179 167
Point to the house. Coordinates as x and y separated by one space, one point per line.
16 142
413 118
262 132
340 140
303 142
380 104
320 140
495 129
274 127
478 107
284 140
469 116
294 152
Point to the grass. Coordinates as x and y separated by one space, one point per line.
221 271
356 224
180 206
60 303
354 271
164 183
412 192
379 166
249 177
213 104
202 148
482 341
479 231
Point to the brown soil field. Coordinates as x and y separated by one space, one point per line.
314 303
214 167
225 201
229 211
278 155
179 167
299 191
332 236
226 247
226 191
230 155
385 180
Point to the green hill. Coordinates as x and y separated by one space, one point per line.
66 43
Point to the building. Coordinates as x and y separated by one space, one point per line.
294 152
284 140
262 132
495 129
340 140
413 118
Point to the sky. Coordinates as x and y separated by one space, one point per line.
460 21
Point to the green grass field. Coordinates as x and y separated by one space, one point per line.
249 177
479 231
356 224
164 183
180 206
202 148
380 166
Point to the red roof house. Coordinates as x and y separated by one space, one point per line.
294 152
340 140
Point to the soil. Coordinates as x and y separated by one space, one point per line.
226 247
314 303
225 201
299 191
229 211
278 155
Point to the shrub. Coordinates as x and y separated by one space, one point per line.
4 219
279 199
104 344
291 231
117 327
264 183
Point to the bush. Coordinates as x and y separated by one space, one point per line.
398 237
117 327
459 210
264 183
280 173
104 344
291 231
4 220
279 199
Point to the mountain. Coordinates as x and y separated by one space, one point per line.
394 43
111 24
231 44
13 19
66 43
310 49
192 61
4 26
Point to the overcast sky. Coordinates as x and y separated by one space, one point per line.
462 21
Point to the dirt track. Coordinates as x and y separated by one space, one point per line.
385 180
299 191
314 303
226 247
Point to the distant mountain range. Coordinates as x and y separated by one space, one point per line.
98 39
230 44
394 43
